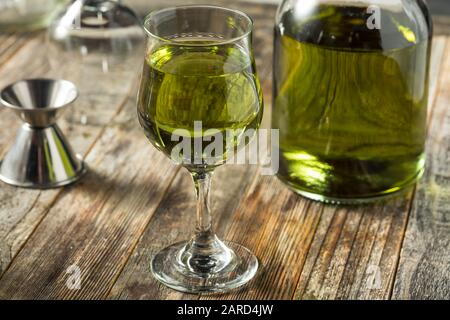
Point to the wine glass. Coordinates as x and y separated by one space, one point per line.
199 100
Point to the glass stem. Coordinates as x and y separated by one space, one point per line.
202 183
205 253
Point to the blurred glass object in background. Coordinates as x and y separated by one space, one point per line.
27 15
98 45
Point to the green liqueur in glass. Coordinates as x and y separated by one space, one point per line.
212 84
350 102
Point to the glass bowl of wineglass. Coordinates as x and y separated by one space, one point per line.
199 96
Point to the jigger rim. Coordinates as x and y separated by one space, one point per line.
9 105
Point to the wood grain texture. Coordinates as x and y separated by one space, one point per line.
424 268
314 251
134 202
277 226
355 251
27 58
21 210
11 43
174 221
96 223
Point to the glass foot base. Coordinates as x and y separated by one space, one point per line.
357 200
168 268
352 201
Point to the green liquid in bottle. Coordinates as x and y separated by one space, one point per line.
350 103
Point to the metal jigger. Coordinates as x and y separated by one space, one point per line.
40 156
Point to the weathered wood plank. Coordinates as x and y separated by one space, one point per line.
170 223
173 222
11 43
278 226
26 61
355 251
96 223
424 268
21 210
313 251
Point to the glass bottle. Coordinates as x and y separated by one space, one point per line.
350 96
98 45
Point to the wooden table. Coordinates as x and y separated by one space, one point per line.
134 201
